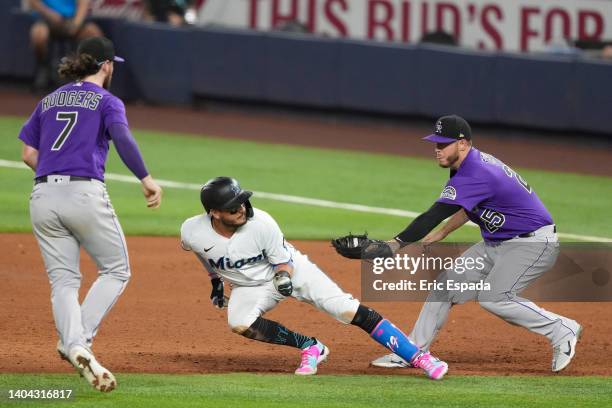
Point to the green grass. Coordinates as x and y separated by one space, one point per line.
250 390
579 203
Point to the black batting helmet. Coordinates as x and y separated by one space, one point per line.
223 193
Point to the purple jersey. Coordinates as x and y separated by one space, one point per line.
495 197
69 128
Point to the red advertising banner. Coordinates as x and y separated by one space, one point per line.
511 25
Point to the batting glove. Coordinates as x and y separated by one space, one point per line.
282 283
216 295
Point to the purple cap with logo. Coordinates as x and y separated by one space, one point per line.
449 129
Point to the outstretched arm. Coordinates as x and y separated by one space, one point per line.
451 225
362 247
424 224
130 155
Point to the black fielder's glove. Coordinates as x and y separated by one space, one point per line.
361 247
282 283
216 295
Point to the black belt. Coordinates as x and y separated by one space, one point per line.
532 233
43 179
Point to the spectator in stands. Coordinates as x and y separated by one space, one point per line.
58 20
439 37
561 46
606 52
293 26
595 48
172 12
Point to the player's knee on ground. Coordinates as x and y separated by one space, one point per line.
239 329
240 324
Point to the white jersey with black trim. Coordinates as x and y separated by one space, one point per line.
248 257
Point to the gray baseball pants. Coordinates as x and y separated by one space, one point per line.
65 215
509 266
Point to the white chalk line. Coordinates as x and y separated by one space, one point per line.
299 200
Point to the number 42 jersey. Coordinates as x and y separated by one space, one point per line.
69 128
495 197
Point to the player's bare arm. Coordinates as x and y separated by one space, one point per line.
428 221
361 247
455 222
29 155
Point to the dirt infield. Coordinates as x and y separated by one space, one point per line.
164 323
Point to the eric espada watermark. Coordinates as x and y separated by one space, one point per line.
427 285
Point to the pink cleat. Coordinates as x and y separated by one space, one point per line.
433 367
311 357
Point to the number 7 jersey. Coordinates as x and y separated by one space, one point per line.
495 197
69 130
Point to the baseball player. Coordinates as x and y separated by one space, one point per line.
519 243
66 142
244 246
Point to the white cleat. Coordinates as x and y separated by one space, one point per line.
391 361
99 377
564 352
62 352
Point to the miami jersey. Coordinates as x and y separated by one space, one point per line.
495 197
248 257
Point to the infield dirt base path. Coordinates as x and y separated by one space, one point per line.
164 323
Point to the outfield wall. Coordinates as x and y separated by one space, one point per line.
167 65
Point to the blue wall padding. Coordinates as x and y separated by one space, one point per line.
169 65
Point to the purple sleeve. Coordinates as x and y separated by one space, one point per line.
114 112
30 132
128 149
467 193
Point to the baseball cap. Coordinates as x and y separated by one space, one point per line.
100 48
449 129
